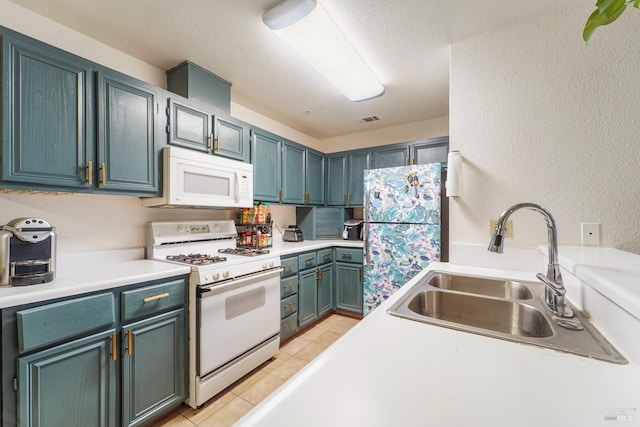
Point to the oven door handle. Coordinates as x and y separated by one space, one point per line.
239 282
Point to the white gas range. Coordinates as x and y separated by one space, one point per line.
234 301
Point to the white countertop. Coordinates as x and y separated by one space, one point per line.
389 371
78 274
286 248
81 273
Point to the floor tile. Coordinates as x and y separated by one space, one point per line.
261 389
328 322
340 327
228 414
175 419
247 381
289 368
277 360
294 346
312 333
327 338
310 351
196 416
349 320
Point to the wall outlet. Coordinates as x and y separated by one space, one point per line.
590 233
508 232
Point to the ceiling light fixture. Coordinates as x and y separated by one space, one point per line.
310 31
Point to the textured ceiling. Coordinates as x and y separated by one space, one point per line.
405 42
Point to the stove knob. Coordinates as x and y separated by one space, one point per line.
226 274
264 266
206 279
271 264
216 276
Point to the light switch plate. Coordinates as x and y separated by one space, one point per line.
590 233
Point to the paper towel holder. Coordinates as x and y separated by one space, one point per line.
454 174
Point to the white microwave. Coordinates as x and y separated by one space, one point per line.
199 180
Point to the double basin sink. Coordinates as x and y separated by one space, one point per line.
504 309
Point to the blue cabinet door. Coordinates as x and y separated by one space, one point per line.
337 180
267 169
430 151
293 172
153 367
307 297
391 157
47 116
325 289
189 127
72 384
349 287
358 162
231 138
314 178
127 158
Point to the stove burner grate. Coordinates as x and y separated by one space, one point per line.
243 251
196 259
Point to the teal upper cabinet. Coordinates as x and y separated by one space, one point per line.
314 178
267 169
188 127
126 133
293 172
71 125
388 157
345 184
194 128
430 151
358 162
47 116
231 138
337 180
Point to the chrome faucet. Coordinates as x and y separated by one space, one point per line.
554 292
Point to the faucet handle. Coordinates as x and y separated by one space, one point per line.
556 288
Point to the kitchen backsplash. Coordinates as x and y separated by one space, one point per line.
91 223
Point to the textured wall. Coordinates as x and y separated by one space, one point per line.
539 116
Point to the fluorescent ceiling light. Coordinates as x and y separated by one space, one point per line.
310 31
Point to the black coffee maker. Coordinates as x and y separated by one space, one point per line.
27 252
352 229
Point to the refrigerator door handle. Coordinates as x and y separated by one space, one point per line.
367 258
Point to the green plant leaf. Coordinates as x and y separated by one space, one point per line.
607 12
636 4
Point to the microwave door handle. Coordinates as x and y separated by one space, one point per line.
237 187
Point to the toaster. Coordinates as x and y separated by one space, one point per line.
292 234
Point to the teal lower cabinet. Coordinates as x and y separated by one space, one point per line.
308 290
349 280
72 384
113 358
325 289
153 366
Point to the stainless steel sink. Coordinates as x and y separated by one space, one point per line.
506 317
477 285
503 309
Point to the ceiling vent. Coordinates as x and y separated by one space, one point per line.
369 119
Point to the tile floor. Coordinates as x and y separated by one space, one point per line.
230 405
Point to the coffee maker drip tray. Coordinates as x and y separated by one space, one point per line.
30 272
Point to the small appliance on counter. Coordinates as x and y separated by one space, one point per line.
27 252
292 234
352 229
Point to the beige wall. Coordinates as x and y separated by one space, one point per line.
541 117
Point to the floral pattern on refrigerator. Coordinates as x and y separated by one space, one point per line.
402 215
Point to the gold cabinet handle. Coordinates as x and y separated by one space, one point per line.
114 347
288 285
308 260
156 297
210 141
349 198
216 144
103 174
360 274
319 274
344 199
286 325
281 193
346 256
90 173
288 305
129 342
